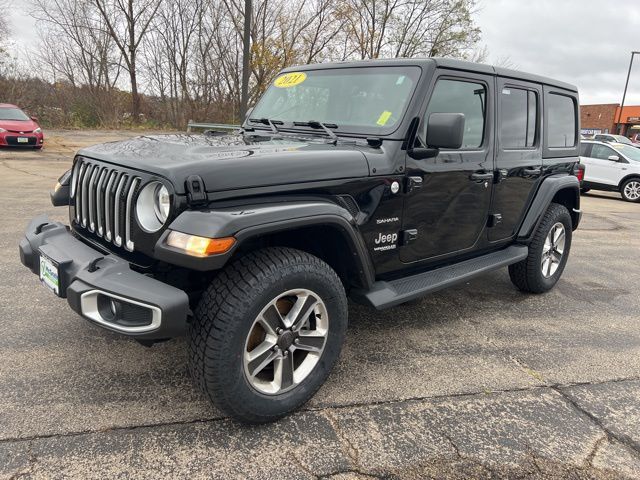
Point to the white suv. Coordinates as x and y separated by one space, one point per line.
613 167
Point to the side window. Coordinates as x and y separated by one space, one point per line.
518 118
561 123
584 149
602 152
457 96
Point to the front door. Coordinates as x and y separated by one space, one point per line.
518 154
600 169
449 195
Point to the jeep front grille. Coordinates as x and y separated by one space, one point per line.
103 200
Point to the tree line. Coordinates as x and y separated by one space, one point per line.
163 62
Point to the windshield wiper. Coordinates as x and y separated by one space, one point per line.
268 121
315 124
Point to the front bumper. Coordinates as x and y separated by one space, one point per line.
143 307
9 139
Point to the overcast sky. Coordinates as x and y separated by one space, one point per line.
584 42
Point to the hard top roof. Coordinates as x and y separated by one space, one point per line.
448 63
7 105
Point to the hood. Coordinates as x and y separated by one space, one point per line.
234 161
19 125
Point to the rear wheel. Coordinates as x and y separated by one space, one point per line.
630 190
267 332
548 252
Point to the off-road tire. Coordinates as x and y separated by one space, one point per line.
623 187
225 315
527 274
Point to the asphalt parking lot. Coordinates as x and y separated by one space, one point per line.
475 381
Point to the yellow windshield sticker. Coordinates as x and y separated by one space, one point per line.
290 79
384 118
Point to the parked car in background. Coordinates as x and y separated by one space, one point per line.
614 139
611 167
17 129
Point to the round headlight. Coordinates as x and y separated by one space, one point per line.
153 206
162 203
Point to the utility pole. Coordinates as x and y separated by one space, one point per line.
625 92
246 51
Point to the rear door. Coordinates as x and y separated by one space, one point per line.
518 154
599 169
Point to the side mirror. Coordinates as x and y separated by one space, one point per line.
445 130
614 158
35 119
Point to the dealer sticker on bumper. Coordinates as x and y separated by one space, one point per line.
49 274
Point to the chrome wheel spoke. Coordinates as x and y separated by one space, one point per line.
263 356
271 319
310 343
300 312
283 375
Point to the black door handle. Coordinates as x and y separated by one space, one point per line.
481 177
532 171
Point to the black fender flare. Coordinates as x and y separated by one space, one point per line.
546 192
248 221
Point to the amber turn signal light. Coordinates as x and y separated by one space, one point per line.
199 246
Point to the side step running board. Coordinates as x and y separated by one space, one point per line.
394 292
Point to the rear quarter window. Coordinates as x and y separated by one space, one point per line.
561 123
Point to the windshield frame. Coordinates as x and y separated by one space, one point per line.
342 130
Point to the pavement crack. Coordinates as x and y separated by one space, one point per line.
350 450
28 471
594 451
452 443
303 467
625 440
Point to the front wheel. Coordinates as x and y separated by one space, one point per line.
630 190
267 332
548 252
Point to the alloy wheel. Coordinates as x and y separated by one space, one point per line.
286 341
553 250
632 190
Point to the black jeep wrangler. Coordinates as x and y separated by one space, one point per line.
380 181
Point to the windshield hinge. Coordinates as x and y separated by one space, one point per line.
196 193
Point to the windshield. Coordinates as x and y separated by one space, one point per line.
12 114
622 139
364 99
629 151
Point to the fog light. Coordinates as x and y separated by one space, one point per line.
199 246
110 309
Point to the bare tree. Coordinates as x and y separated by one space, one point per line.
4 23
127 22
408 28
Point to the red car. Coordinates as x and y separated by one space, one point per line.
17 129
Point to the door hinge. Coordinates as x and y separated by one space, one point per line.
196 193
494 219
413 183
409 236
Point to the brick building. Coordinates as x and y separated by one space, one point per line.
603 118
